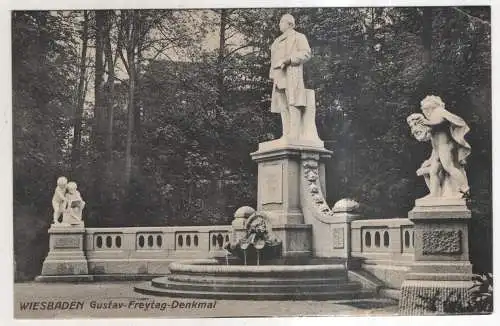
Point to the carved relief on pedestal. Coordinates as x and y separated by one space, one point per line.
338 238
313 194
441 242
272 183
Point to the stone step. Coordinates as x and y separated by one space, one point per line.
147 288
273 288
252 281
284 272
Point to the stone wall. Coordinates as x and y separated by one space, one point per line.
385 247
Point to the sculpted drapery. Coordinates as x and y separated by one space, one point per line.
288 86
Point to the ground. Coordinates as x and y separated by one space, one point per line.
116 293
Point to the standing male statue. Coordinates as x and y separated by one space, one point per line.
288 54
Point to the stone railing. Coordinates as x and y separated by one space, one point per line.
149 250
385 246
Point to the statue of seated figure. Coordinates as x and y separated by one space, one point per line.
74 206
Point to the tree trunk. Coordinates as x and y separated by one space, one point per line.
131 97
137 99
81 92
99 118
220 58
427 84
110 91
99 107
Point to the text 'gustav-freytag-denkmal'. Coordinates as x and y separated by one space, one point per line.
131 304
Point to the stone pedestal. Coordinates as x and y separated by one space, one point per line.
279 187
66 260
340 225
441 266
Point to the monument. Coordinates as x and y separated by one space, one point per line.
441 262
286 164
66 259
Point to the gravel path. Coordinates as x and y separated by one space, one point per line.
117 299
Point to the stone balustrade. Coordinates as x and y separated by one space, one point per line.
385 246
146 251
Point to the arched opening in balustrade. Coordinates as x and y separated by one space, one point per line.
368 239
227 238
180 240
407 239
377 239
195 241
118 241
109 241
98 242
141 241
386 239
159 241
413 239
220 240
214 241
188 241
150 241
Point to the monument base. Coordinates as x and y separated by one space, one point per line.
279 174
419 297
66 259
296 239
441 273
299 144
278 193
64 278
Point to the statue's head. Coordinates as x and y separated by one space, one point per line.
287 22
420 131
62 182
72 187
258 226
430 103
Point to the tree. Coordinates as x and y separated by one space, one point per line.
44 76
81 93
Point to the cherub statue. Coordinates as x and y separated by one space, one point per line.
74 205
59 198
444 171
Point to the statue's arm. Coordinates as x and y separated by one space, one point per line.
272 63
436 118
302 53
434 121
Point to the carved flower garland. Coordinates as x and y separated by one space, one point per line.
311 174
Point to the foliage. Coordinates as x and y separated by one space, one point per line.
44 74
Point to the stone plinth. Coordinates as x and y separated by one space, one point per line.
340 225
278 192
279 186
66 260
441 264
296 239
